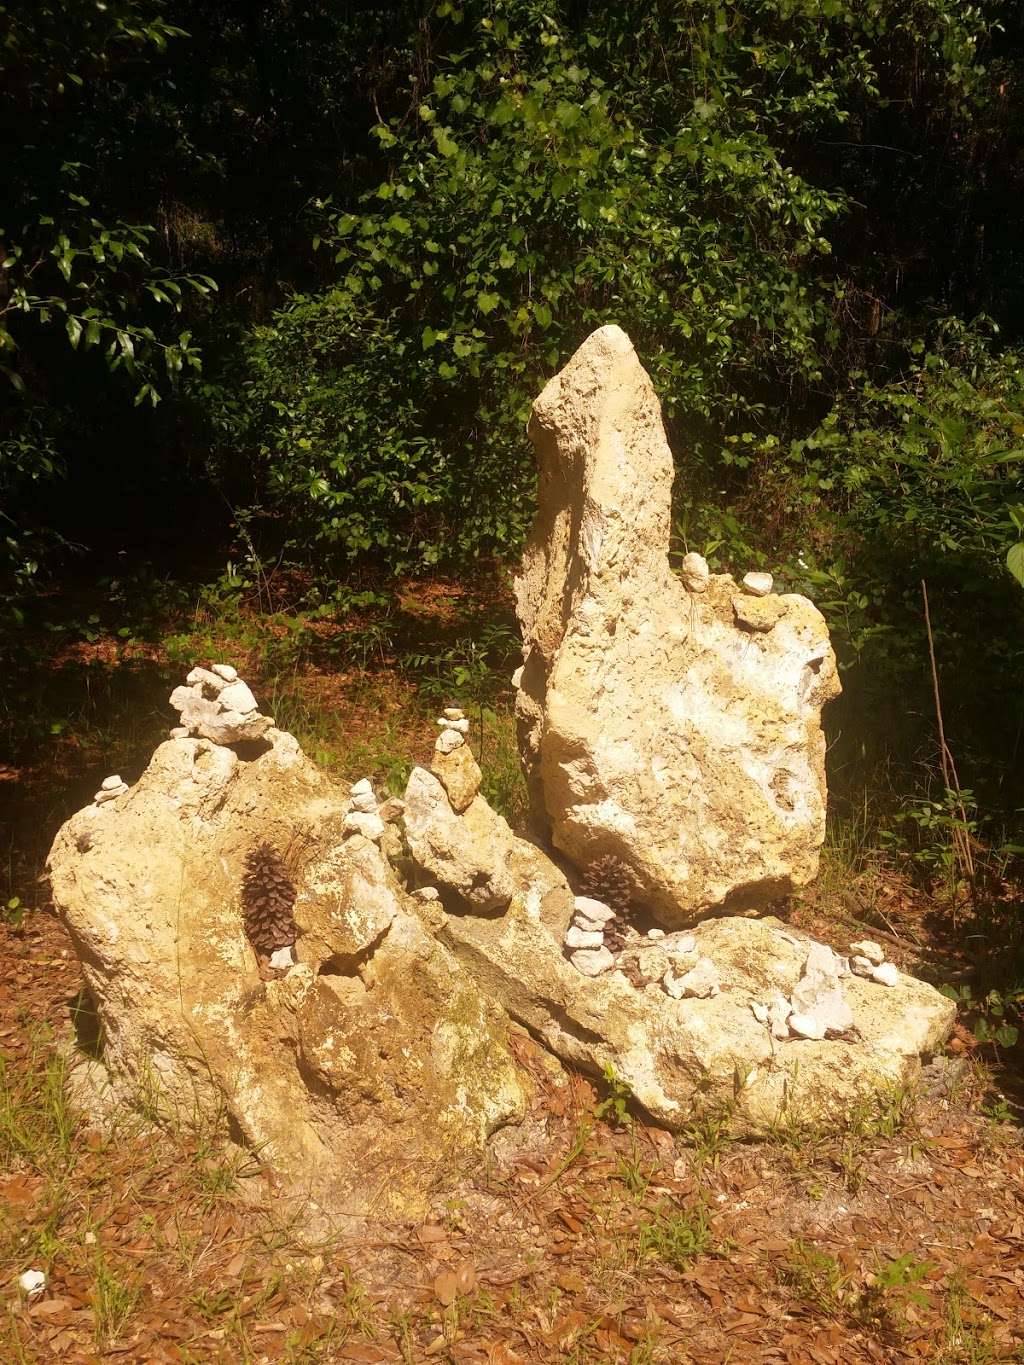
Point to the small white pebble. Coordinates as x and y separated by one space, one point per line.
587 924
370 826
583 938
886 974
101 797
460 727
806 1026
360 787
237 696
696 574
282 958
453 713
872 951
655 934
427 893
32 1281
89 1239
593 909
758 584
592 961
760 1012
179 732
364 801
225 671
861 966
110 783
517 677
448 741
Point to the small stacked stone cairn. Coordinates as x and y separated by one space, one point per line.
453 763
110 789
584 940
868 959
671 963
363 812
216 704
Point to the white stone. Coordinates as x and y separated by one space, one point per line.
225 671
369 825
453 713
807 1026
179 732
205 677
593 909
448 741
681 945
427 893
818 995
696 573
655 934
364 801
592 961
886 974
701 982
653 727
237 696
758 584
588 925
867 948
109 783
102 797
391 810
517 676
282 958
861 966
32 1281
583 938
461 727
760 1012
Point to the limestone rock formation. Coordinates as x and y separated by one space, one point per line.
368 1068
706 1050
678 730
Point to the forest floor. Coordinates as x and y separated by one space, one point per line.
589 1235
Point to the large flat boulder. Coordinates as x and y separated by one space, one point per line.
676 729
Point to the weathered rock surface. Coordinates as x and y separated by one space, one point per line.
475 857
371 1068
677 731
682 1057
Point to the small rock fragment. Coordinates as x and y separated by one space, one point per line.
758 584
758 613
459 774
32 1281
369 825
391 810
282 958
861 966
886 973
760 1012
593 909
695 572
102 797
427 893
866 948
453 713
109 783
448 741
655 933
365 801
588 924
200 677
237 696
582 938
807 1026
459 726
592 961
700 982
361 787
225 671
517 676
179 732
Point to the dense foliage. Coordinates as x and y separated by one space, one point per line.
345 247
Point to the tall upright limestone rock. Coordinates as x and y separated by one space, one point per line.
675 729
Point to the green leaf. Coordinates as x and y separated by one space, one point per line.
487 303
1015 561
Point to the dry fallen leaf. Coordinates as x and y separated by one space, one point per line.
446 1287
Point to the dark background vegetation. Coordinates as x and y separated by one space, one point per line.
281 278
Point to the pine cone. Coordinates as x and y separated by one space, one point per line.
268 898
608 879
